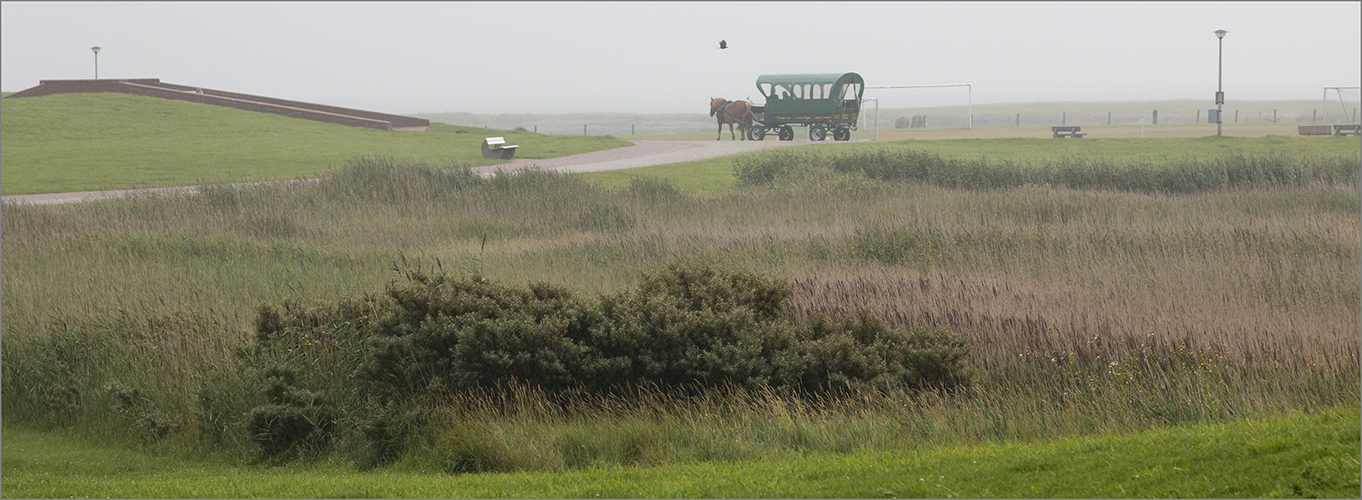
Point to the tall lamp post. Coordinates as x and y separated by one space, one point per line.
96 49
1220 83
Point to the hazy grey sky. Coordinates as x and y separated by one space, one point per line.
650 57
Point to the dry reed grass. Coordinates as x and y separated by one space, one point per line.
1112 309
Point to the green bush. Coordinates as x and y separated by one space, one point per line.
684 326
294 419
862 352
685 329
442 333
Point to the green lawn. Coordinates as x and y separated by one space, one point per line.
83 142
1298 455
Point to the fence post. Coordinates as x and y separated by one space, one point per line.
1198 116
1236 116
1063 119
1156 117
1274 116
536 129
1108 118
631 129
1313 116
1019 117
583 129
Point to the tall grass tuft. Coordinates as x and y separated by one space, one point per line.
1228 171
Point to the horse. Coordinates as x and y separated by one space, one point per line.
731 113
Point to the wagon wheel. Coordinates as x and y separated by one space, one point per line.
756 133
786 133
818 133
841 134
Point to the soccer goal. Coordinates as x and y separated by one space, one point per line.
969 95
1354 92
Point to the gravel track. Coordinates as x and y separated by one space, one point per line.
641 154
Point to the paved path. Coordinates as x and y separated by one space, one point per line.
641 154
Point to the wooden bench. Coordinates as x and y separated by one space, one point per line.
1353 129
1315 130
495 147
1068 132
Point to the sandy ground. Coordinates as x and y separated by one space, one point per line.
641 154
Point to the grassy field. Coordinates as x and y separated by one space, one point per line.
85 142
716 176
1096 313
1297 455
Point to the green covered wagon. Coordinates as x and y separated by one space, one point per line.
820 101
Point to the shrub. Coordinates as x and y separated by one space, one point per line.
691 325
443 334
863 353
294 419
685 329
684 326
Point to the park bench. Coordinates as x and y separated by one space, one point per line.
1068 132
1315 130
495 147
1353 129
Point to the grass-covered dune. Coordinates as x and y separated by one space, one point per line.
85 142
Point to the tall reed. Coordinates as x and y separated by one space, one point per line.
1087 308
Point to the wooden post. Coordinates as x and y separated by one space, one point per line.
1019 118
1198 116
1156 117
1274 116
583 129
631 129
536 129
1063 119
1108 118
1236 116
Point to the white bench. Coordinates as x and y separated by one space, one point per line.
495 147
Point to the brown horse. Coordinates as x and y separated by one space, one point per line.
732 113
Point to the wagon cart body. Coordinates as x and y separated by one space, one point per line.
822 102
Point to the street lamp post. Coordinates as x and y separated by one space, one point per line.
96 50
1220 83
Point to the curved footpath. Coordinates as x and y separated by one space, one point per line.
641 154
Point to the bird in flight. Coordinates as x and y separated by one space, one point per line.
723 44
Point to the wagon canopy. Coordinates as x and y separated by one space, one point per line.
816 86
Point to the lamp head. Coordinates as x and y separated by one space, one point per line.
1220 34
96 48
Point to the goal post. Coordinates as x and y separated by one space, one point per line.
969 95
1324 103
